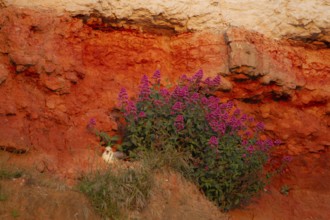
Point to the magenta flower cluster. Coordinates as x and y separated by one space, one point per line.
217 137
123 97
91 123
144 89
187 97
179 122
212 82
197 77
142 114
181 92
156 77
213 142
287 159
177 107
131 109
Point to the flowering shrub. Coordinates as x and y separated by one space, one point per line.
227 155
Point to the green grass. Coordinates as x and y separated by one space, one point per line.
7 174
285 189
10 174
15 213
167 158
113 192
3 195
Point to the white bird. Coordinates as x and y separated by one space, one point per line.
110 156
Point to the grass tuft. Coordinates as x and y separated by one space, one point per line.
114 191
3 195
168 158
9 174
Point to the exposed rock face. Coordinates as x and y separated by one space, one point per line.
308 20
59 69
57 72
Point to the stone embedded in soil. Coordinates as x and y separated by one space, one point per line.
250 56
56 84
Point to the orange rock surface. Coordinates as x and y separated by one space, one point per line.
58 72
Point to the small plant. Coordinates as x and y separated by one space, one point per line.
15 213
8 174
105 138
167 158
3 195
285 189
113 192
222 145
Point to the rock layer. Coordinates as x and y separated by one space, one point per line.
305 20
56 72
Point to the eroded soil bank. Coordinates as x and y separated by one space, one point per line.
57 72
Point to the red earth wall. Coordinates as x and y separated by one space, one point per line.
58 72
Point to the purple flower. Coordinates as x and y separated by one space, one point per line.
156 76
205 101
212 116
250 149
250 119
217 126
130 109
198 76
265 145
244 118
223 106
277 142
194 97
158 103
213 102
216 81
184 78
225 116
248 133
237 112
269 143
213 141
142 115
144 89
177 107
230 105
287 159
208 81
232 121
91 123
165 93
181 92
260 126
179 122
123 97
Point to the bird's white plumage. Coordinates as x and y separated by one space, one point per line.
108 155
